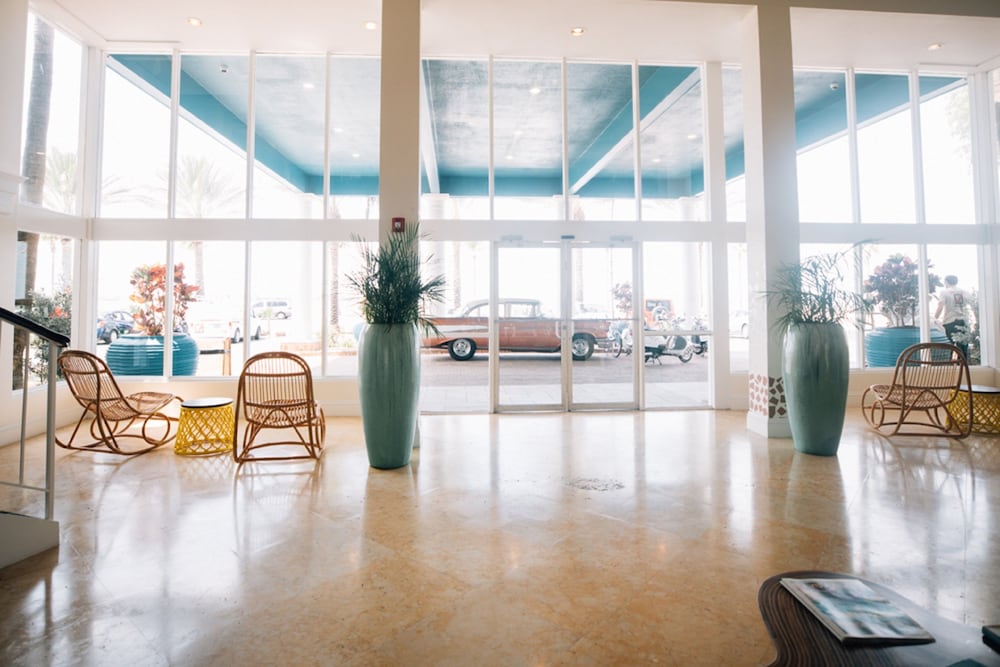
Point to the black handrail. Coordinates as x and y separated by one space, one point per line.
62 340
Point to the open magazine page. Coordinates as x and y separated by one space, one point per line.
856 613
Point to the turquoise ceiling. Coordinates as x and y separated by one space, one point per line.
527 117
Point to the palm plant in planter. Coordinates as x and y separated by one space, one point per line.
393 294
815 301
893 290
141 352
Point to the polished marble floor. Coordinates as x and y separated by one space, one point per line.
545 539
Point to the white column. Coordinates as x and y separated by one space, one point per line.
772 201
718 268
13 36
399 153
13 42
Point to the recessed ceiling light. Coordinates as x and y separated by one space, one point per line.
194 21
308 85
692 136
656 160
576 32
338 130
534 90
355 155
509 157
370 25
518 133
935 46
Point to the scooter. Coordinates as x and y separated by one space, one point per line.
700 344
658 345
620 335
655 344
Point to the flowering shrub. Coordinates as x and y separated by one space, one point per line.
149 291
53 312
893 289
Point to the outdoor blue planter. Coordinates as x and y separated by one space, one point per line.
882 346
138 354
389 388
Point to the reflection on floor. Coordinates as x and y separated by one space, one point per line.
578 539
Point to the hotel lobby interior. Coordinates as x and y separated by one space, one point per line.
575 528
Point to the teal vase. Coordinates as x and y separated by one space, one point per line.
389 388
816 368
138 354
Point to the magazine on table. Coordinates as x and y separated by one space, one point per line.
855 613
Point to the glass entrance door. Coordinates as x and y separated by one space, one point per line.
555 310
603 363
526 340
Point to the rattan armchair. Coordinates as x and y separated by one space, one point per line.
114 413
276 392
927 379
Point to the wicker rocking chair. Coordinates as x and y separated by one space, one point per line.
927 379
114 413
276 392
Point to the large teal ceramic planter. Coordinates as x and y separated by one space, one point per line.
389 387
138 354
882 346
816 367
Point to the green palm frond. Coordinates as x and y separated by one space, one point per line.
390 284
817 289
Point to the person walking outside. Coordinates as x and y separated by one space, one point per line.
951 313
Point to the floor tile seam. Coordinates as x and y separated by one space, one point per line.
77 617
431 564
648 529
610 621
634 525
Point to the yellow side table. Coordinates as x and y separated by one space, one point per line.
985 408
206 427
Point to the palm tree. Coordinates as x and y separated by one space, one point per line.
202 190
33 169
60 181
36 139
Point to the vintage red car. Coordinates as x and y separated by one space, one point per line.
524 327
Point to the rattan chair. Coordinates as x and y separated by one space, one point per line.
94 387
927 379
276 392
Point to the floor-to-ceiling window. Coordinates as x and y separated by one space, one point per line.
891 152
256 172
44 262
305 126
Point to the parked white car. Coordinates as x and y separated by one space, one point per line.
210 324
272 309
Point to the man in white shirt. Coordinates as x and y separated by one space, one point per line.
951 312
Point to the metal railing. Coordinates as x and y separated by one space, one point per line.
56 341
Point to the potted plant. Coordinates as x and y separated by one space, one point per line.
393 294
141 352
815 301
892 289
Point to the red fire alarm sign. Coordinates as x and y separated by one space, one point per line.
398 225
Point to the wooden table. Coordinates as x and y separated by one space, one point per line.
801 639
